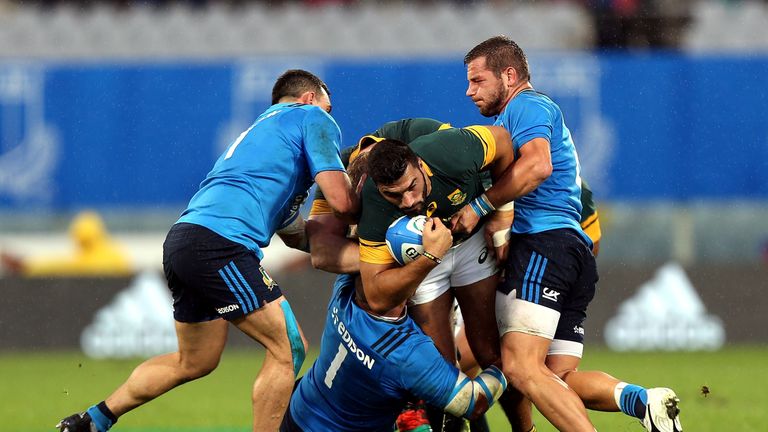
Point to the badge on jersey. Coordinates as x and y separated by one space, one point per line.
457 197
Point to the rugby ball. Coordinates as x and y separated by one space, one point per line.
404 238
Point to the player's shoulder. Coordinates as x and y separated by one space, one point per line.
530 101
400 341
311 114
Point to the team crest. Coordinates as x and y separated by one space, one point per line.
457 197
268 281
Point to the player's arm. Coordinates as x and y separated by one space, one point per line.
388 285
471 398
322 140
294 233
330 248
339 194
428 376
533 166
498 158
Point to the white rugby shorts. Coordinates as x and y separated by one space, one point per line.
514 314
467 263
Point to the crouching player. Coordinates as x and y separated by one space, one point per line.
371 365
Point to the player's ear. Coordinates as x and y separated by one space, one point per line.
511 75
307 98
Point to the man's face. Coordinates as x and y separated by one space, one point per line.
409 193
488 92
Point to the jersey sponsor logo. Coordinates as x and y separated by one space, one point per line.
225 309
483 256
578 330
457 197
349 341
550 294
666 313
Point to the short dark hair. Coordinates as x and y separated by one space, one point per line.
388 161
500 52
294 83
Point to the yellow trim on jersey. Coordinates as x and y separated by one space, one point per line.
319 207
364 142
375 252
489 143
445 126
427 169
591 227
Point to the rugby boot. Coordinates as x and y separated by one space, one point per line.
77 423
662 413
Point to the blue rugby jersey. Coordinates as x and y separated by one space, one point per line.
263 177
556 203
367 369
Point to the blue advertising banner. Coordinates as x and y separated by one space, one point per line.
144 134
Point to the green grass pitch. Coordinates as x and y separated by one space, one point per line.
37 389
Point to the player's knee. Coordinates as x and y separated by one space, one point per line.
563 373
519 371
199 368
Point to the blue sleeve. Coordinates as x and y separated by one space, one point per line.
530 120
427 375
322 141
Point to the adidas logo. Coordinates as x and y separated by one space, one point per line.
137 323
666 313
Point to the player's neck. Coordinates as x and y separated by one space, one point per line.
519 88
393 314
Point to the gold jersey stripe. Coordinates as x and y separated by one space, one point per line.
591 227
319 207
364 142
375 253
489 143
444 126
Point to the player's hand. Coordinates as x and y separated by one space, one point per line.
436 237
497 231
464 221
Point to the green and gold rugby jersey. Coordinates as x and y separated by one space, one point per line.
405 130
590 220
454 160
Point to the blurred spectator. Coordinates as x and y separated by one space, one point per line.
639 23
96 254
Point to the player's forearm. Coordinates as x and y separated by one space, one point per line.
340 194
473 397
518 180
334 254
330 248
391 288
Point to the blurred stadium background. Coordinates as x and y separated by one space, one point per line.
122 107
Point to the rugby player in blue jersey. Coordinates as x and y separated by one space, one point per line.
372 362
550 269
212 254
